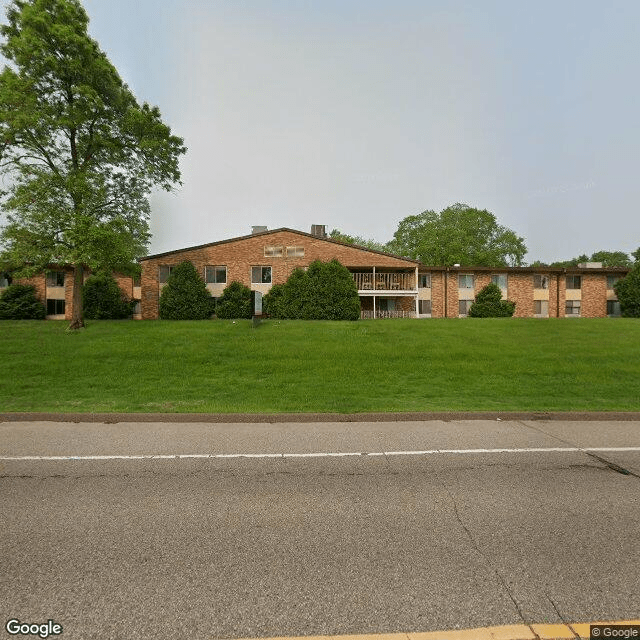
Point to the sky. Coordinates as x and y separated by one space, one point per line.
358 113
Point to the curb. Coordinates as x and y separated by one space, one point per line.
572 631
251 418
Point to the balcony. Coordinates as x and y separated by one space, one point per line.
379 313
385 281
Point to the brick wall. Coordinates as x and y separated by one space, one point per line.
437 294
239 255
594 295
520 291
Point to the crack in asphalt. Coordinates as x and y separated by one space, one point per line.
611 465
475 545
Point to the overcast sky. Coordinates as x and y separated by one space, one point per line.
356 114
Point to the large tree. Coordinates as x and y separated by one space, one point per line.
458 235
368 243
79 153
628 293
608 259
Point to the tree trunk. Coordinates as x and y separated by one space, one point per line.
77 314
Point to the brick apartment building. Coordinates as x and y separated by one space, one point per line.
389 286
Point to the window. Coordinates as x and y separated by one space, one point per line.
424 307
424 281
4 280
464 306
540 282
137 281
55 307
295 252
55 278
611 280
572 308
165 272
613 308
574 282
500 279
465 281
215 275
260 275
273 252
136 308
541 308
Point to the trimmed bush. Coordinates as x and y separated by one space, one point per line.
489 304
185 296
628 293
326 291
235 302
19 302
102 299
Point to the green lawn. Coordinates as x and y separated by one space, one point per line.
343 367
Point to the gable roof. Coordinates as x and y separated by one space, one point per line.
271 231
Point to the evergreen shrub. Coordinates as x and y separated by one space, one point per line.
19 302
235 302
185 295
326 291
102 299
489 304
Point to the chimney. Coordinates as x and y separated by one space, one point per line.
318 230
258 229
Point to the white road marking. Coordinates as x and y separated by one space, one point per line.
327 454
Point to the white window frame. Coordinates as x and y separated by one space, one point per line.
215 269
170 268
468 304
295 252
543 280
53 277
573 281
575 304
262 268
56 302
466 277
427 278
540 314
422 303
613 280
273 252
497 276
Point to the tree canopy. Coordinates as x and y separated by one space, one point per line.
608 259
458 235
336 234
80 155
628 293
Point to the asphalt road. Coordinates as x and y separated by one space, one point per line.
237 547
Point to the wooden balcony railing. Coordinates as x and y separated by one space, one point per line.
369 315
385 281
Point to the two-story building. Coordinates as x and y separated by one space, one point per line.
389 286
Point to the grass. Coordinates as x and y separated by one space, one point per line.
342 367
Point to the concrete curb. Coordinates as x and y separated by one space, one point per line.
251 418
510 632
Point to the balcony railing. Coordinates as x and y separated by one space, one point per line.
371 315
385 281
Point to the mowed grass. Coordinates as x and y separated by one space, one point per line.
343 367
